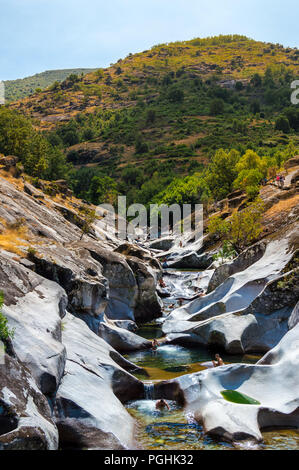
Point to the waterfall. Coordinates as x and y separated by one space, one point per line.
149 391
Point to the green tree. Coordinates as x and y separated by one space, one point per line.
217 107
242 228
175 95
222 172
103 189
282 124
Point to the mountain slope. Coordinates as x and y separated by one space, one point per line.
23 87
163 113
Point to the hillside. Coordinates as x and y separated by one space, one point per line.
23 87
162 114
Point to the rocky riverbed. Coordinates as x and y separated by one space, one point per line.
76 359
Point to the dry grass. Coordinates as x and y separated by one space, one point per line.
283 206
13 239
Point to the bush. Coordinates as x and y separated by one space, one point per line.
282 124
217 106
5 332
175 95
242 228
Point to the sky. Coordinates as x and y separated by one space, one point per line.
39 35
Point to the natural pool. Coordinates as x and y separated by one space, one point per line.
174 429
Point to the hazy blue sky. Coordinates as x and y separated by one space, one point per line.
38 35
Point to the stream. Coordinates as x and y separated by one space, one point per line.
175 429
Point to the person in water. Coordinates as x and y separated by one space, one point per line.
162 283
155 345
161 404
219 362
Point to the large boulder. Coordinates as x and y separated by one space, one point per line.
34 307
121 339
242 262
88 406
148 304
73 268
190 260
25 416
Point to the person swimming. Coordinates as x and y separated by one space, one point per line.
155 345
161 404
219 362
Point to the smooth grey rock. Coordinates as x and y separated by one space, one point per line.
88 406
25 416
34 308
248 312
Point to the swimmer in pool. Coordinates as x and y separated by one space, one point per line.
155 345
161 404
219 362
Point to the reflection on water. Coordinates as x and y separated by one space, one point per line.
170 361
169 430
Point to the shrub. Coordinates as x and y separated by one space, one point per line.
242 228
282 124
5 332
217 106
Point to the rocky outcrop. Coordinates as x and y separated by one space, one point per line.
88 405
121 339
25 416
242 262
72 267
249 311
35 307
190 260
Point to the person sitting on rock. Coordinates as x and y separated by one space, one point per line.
161 404
162 283
219 362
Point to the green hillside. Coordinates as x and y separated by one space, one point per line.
23 87
173 123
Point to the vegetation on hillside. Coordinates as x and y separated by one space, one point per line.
183 122
23 87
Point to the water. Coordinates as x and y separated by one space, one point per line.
174 429
170 361
169 430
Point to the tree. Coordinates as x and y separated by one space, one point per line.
222 172
242 228
150 116
102 190
86 220
255 107
217 106
176 95
282 124
256 80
